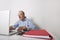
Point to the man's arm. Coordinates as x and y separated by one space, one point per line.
13 27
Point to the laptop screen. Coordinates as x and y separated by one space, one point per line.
4 22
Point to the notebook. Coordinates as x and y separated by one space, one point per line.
37 34
4 22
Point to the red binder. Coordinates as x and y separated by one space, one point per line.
37 34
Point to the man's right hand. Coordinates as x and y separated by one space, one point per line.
21 28
11 28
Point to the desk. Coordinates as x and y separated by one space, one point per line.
17 37
3 37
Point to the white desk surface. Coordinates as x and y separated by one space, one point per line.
17 37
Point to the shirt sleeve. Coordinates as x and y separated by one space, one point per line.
15 25
31 26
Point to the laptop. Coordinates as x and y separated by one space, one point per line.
4 22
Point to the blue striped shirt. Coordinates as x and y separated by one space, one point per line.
27 23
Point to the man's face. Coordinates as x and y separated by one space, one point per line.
21 15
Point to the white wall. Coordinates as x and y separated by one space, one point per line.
51 17
45 13
4 4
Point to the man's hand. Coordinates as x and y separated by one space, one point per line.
21 28
11 28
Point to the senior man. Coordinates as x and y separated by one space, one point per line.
23 23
